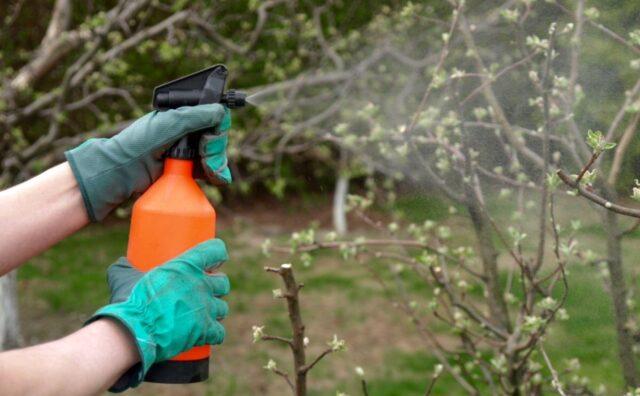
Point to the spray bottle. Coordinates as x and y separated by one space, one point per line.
174 214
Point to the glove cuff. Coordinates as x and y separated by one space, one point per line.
71 156
107 175
129 317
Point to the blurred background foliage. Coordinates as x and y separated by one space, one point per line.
285 48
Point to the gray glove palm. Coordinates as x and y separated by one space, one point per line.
109 171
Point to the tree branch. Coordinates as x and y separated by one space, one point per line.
315 361
595 198
621 150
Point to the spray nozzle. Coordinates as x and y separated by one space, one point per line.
234 99
205 86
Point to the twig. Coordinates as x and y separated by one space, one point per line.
587 166
556 251
444 52
615 36
427 335
621 150
495 77
556 380
575 52
365 389
631 229
491 98
547 84
432 384
277 338
286 378
369 242
597 199
315 361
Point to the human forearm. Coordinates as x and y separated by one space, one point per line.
37 214
84 363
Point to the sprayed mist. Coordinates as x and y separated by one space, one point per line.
373 108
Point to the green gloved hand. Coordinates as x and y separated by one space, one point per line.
171 308
213 152
109 171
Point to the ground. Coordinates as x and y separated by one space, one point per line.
61 288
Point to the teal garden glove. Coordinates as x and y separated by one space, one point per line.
213 152
171 308
109 171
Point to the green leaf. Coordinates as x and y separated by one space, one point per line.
553 181
596 141
635 37
594 138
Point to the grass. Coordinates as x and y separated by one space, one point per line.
588 334
61 288
418 208
415 369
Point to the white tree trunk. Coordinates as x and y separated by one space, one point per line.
10 336
339 201
340 194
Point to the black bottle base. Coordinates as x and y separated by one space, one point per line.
178 372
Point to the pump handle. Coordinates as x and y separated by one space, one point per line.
202 87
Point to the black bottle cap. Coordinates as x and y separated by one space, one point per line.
186 148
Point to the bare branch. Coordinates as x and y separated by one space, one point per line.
630 97
575 51
129 43
444 52
285 376
615 36
547 84
331 53
493 100
556 380
368 242
263 15
432 383
315 361
595 198
55 48
621 150
267 337
60 19
213 33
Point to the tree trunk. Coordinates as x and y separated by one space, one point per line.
340 194
10 336
489 256
619 297
339 198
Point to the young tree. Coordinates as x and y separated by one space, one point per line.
298 342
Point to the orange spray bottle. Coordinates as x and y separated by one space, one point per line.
174 214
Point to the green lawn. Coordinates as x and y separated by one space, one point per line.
62 287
